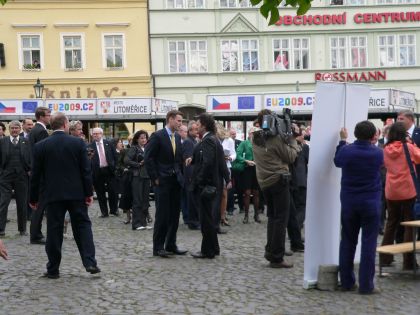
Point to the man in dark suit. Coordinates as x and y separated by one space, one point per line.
38 133
235 181
163 160
206 175
188 148
15 165
63 163
103 166
27 125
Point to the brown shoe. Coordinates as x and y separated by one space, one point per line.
282 264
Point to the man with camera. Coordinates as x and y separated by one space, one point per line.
274 149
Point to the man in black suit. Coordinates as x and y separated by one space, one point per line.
206 175
27 125
235 180
15 166
188 148
103 166
163 160
38 133
63 163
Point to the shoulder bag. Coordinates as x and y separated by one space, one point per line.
416 208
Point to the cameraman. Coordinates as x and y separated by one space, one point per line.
272 155
140 182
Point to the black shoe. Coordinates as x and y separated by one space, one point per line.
201 255
177 251
23 233
51 275
299 249
104 216
2 234
93 269
193 227
38 242
162 253
220 231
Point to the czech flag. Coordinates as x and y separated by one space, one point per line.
220 106
4 109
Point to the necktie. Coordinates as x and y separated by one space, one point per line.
173 142
14 140
102 158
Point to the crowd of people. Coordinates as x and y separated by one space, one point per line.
196 170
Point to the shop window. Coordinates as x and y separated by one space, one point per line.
114 51
240 55
31 52
72 50
188 56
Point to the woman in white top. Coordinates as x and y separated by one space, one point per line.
230 155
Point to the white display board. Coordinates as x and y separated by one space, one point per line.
337 105
13 107
72 107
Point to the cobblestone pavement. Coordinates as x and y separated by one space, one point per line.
134 282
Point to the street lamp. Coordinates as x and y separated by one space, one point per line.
39 89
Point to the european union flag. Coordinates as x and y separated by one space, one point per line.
29 107
246 102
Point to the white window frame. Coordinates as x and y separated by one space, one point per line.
350 61
20 50
187 44
124 63
185 4
291 49
347 57
301 49
240 54
397 47
63 51
237 4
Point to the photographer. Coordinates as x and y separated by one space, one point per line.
272 155
140 183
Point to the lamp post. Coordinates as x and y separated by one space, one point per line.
39 89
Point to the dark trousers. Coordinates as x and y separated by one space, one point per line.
210 243
398 211
184 206
104 181
18 183
277 198
299 199
193 216
82 232
217 216
167 196
140 192
352 220
293 229
235 190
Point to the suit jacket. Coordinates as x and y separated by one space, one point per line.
159 157
133 158
187 152
416 139
62 161
37 134
25 153
110 155
208 161
299 169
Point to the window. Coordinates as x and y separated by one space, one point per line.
291 53
396 1
30 51
235 4
188 56
348 52
240 55
183 4
348 2
72 50
389 45
114 51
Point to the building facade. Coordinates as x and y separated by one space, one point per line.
80 50
203 48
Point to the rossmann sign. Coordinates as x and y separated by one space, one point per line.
362 76
358 18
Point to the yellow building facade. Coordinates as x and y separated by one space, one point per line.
78 49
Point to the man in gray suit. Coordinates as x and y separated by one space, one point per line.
15 166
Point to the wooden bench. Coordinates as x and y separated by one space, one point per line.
402 248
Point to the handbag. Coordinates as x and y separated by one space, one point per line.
416 208
208 192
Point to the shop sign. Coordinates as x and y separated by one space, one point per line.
295 101
12 107
363 76
161 106
72 107
124 106
234 103
403 99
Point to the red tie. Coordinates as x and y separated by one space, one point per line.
102 158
